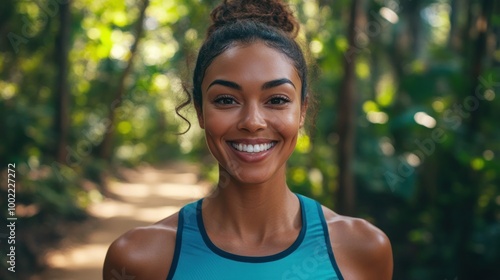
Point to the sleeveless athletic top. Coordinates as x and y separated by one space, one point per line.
309 257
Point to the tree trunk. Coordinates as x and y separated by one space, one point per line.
414 17
62 89
346 196
454 35
478 50
106 146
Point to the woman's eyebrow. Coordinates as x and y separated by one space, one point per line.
275 83
225 83
266 85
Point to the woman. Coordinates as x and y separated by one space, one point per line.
250 94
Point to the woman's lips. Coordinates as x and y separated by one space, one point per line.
252 148
252 151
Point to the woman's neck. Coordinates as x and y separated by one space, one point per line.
252 212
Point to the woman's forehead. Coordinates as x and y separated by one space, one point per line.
251 62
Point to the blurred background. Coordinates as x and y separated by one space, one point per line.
405 133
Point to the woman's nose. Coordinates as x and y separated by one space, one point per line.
252 118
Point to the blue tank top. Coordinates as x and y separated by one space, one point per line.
309 257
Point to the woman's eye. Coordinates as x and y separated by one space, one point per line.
279 100
225 100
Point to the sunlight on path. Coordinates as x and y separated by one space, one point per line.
148 195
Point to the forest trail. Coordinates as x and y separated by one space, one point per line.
145 195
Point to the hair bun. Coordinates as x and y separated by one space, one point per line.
271 12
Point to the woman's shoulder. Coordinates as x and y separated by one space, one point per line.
361 250
355 230
143 252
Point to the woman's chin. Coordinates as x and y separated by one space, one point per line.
251 179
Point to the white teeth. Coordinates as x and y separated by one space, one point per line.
252 148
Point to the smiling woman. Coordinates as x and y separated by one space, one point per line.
252 98
250 95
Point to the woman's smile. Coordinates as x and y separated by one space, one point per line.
252 148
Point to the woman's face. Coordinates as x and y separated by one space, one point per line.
251 111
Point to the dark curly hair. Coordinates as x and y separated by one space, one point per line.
236 22
272 13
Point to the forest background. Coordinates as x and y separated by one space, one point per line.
406 135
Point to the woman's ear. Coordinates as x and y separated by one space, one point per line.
303 111
199 114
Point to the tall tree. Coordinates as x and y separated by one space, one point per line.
347 120
62 89
478 50
106 146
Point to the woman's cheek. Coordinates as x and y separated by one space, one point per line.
288 125
215 122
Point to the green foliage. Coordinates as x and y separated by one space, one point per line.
427 145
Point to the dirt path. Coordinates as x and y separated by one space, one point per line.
147 195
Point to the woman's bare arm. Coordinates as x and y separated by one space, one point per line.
142 253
